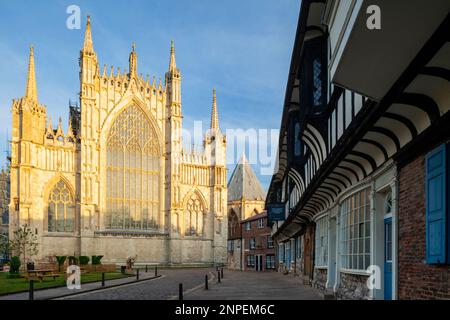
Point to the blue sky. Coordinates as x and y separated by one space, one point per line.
242 48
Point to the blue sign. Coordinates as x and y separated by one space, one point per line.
276 212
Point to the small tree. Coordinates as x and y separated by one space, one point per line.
24 244
96 260
84 260
60 260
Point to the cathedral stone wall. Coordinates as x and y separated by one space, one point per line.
118 182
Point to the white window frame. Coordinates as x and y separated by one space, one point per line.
252 243
355 232
270 242
261 223
321 255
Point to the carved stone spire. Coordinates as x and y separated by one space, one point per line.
88 46
214 114
31 90
133 61
172 63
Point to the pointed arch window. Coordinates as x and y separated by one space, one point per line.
132 173
233 225
61 209
194 216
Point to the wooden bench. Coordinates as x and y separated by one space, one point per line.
29 277
51 275
40 274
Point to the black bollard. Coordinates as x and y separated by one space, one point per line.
218 276
31 291
146 268
221 273
137 274
103 279
180 291
206 282
156 271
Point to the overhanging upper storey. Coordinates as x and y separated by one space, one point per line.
369 61
332 137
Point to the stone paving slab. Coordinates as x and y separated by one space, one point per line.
51 293
236 285
163 288
239 285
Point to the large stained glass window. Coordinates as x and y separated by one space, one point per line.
132 190
194 216
61 209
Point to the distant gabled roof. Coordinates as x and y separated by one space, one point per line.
256 217
243 183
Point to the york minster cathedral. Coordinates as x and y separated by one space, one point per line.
118 182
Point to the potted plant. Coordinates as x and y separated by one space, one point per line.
130 262
14 268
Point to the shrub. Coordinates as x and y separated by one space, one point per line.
73 260
96 260
84 260
60 260
15 265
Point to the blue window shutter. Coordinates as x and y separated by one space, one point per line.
436 206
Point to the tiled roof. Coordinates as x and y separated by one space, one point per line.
244 183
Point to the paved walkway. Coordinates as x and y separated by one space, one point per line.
238 285
163 288
62 291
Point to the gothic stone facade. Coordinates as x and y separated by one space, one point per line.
118 182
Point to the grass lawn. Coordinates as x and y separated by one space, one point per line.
20 285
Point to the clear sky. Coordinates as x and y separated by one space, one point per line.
242 48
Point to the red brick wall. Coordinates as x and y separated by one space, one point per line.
417 280
261 242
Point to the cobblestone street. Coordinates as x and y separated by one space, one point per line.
234 285
162 288
238 285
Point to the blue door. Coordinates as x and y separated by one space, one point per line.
388 259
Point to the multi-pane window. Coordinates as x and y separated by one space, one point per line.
132 173
297 140
287 255
248 226
321 255
261 223
281 252
61 209
250 261
355 231
230 245
269 242
252 243
270 261
317 82
299 247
